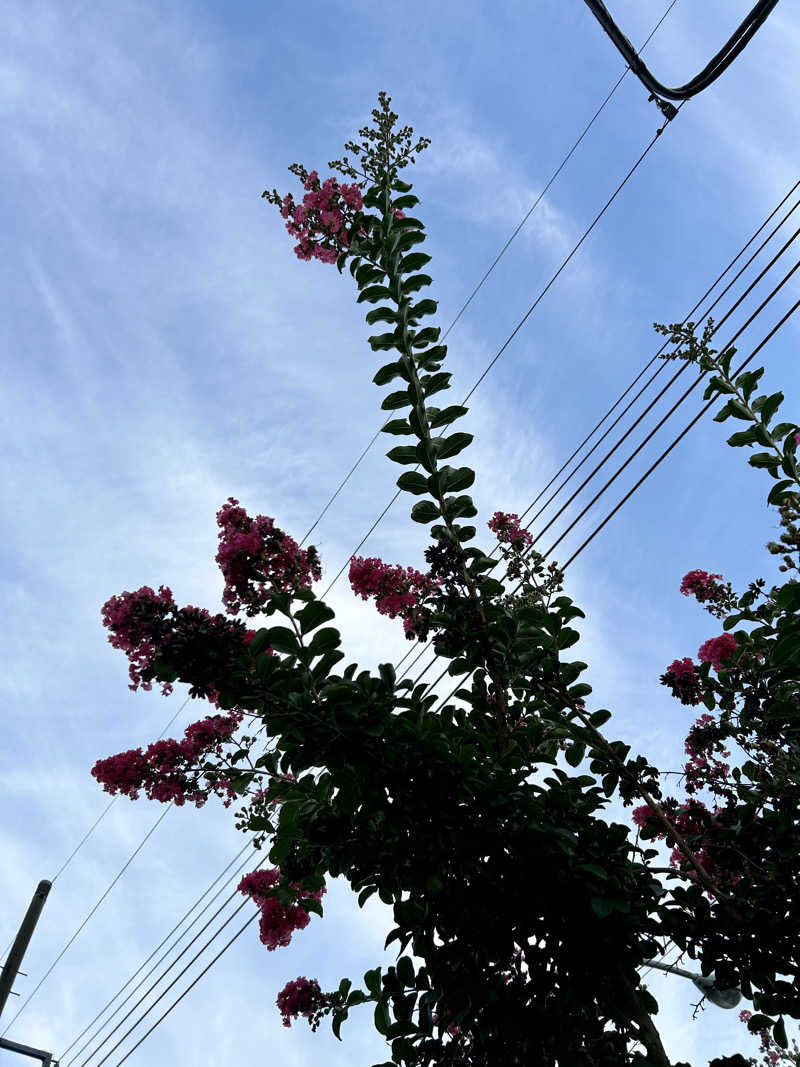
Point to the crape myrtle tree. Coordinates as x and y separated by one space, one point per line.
522 916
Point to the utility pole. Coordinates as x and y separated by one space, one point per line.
12 965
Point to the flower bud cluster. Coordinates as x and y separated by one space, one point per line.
170 770
278 921
257 559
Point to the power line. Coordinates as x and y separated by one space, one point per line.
661 367
180 922
497 259
516 329
172 983
717 65
666 452
188 989
88 917
101 816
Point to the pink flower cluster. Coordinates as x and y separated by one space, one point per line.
717 649
508 530
681 678
257 559
302 997
320 221
278 921
702 768
139 622
397 591
691 823
168 770
701 585
198 645
771 1054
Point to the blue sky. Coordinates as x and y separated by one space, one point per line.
166 350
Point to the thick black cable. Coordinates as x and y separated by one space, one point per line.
514 332
104 1009
718 63
88 917
661 367
191 986
497 259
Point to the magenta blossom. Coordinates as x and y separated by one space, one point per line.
680 676
717 649
397 591
256 559
700 584
302 997
508 530
278 921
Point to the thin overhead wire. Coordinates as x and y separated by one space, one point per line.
191 986
663 455
117 877
661 367
172 983
516 329
498 257
62 1058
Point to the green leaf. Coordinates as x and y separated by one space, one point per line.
344 987
428 336
446 416
465 533
373 293
401 187
397 426
425 511
324 641
403 454
765 460
365 894
413 262
759 1022
282 639
434 383
372 980
393 401
746 382
740 410
779 1033
743 437
767 406
599 718
259 642
453 479
402 202
405 970
381 315
779 491
460 507
424 307
601 906
575 753
313 615
387 373
452 445
415 282
786 650
413 482
368 273
338 1018
717 385
723 413
380 341
382 1020
788 598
